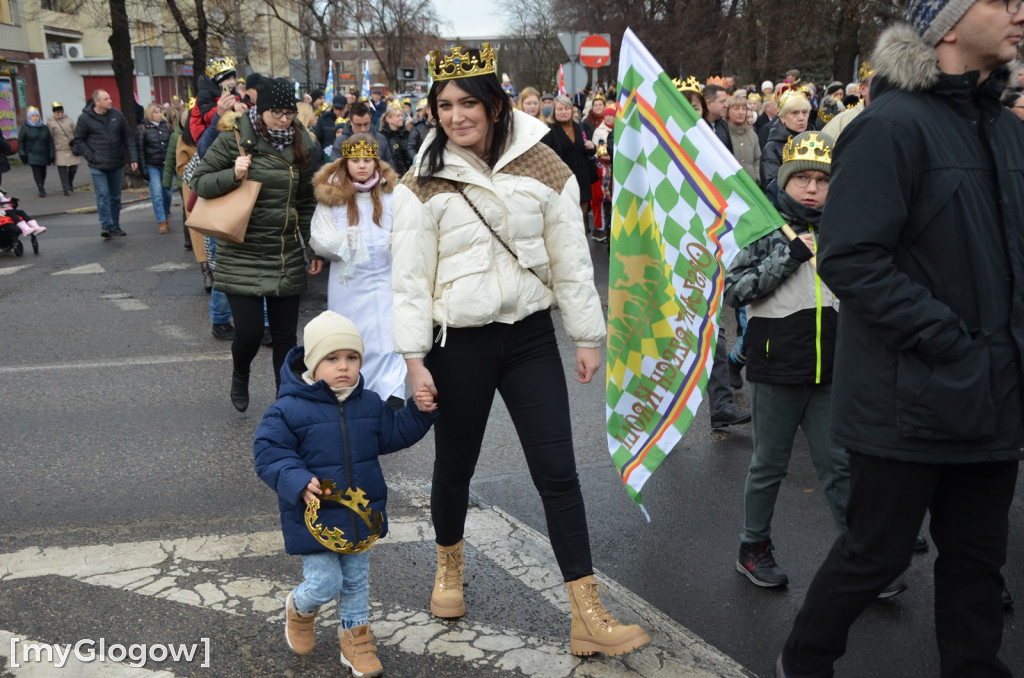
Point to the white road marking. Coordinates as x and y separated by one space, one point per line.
13 269
165 568
125 301
169 266
121 362
81 270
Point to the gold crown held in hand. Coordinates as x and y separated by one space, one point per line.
460 64
812 146
334 538
359 149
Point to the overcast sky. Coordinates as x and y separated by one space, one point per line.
472 18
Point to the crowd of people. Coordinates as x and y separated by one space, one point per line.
884 329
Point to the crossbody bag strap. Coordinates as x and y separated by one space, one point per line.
458 187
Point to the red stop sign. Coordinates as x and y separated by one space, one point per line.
595 51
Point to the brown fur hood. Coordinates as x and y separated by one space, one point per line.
336 194
227 121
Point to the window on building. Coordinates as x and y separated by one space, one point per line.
336 45
145 33
6 11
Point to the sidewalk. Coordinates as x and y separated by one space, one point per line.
19 183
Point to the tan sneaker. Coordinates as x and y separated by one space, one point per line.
446 599
594 629
358 651
298 628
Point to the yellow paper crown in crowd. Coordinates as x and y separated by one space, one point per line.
691 84
865 71
219 65
717 80
753 96
460 64
191 103
813 146
359 149
788 94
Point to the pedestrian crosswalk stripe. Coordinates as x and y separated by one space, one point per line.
80 270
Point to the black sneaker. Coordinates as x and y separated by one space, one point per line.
758 564
729 416
735 374
117 231
105 233
223 331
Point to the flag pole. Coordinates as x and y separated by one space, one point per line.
788 231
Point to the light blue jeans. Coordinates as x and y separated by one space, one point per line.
160 196
107 186
344 577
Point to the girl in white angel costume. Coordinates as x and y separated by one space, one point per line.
352 227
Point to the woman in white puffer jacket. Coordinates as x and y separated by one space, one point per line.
487 237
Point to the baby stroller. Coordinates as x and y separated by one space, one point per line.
14 223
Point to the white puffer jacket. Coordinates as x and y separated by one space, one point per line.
448 269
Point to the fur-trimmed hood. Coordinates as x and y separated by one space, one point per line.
905 60
335 194
227 121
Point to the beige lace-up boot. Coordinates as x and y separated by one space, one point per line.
446 600
358 651
594 629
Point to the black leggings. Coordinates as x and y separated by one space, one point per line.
39 174
521 362
247 312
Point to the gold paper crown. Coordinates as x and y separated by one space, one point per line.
191 104
460 64
334 538
865 71
753 96
215 67
359 149
788 94
691 84
716 80
813 146
599 97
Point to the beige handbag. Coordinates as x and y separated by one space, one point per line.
227 216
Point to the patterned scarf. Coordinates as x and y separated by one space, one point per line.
278 138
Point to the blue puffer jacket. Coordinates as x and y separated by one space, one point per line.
307 433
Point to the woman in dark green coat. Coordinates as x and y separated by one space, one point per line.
271 263
35 147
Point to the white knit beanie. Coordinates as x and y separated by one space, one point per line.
327 333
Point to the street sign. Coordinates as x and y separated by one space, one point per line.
575 77
595 51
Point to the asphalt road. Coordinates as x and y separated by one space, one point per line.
121 457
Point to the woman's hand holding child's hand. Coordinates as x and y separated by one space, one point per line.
312 491
425 400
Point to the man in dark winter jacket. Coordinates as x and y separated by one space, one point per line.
326 123
361 120
922 240
103 138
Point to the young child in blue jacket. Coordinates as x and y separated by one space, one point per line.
317 447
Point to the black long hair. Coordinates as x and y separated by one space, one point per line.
488 90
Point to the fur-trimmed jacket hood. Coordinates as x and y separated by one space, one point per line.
331 191
905 61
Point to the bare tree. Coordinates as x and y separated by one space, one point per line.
120 42
194 28
395 30
316 21
532 57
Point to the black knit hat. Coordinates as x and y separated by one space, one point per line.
316 94
278 93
